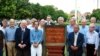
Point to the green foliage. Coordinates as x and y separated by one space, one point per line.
96 13
88 17
7 8
22 9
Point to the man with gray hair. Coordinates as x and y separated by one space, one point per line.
84 28
22 38
93 20
97 29
60 21
70 27
92 41
10 38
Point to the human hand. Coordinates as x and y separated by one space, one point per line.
35 45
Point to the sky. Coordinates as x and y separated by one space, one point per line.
69 5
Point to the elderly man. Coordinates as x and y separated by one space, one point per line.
60 21
22 38
93 20
75 42
97 29
92 41
10 38
70 27
36 37
84 28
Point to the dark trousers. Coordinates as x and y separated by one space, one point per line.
90 50
23 53
75 53
6 49
1 51
99 51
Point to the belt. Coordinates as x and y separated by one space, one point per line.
91 44
11 41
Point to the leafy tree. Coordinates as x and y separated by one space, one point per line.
22 9
96 13
7 8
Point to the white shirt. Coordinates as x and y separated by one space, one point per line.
30 27
48 22
23 29
92 38
75 38
3 29
42 29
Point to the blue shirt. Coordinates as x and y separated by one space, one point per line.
10 33
99 31
69 29
84 30
36 36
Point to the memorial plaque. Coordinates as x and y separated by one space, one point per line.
55 40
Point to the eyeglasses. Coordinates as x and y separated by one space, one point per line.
92 27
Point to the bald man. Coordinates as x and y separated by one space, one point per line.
70 27
93 20
84 28
75 42
92 41
22 38
10 38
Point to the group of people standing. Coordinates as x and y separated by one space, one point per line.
26 39
83 39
